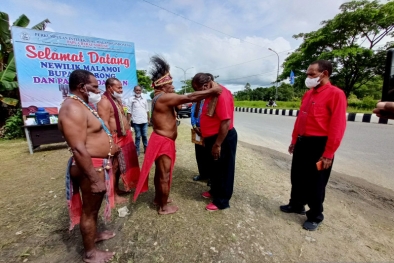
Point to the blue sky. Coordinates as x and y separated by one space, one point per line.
248 29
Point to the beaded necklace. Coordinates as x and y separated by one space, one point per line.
72 96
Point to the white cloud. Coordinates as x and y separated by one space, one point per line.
48 7
255 25
49 29
210 53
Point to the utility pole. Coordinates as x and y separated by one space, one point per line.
184 75
277 75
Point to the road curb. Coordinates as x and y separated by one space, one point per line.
355 117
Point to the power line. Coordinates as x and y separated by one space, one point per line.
268 72
247 61
200 23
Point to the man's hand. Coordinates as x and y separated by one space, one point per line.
98 187
291 148
216 151
385 110
326 162
197 130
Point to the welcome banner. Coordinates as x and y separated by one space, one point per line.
45 60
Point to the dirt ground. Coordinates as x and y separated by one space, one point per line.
358 226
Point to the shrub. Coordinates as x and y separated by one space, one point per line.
367 103
13 126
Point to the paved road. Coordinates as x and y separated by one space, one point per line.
367 150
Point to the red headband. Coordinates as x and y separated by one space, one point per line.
163 80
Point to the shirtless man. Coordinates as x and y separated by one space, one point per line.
111 110
90 145
161 146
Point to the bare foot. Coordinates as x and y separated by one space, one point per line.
98 256
104 235
168 209
120 200
169 200
122 192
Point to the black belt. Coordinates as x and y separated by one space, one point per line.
309 138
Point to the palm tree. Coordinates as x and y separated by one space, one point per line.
8 83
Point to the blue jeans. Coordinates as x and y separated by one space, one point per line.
141 130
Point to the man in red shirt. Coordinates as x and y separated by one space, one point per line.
317 134
220 139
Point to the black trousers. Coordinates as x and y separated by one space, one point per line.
308 185
222 170
202 161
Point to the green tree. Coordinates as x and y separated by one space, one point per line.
8 83
144 81
354 41
373 88
188 85
7 62
285 92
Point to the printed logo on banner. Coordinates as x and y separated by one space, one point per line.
25 36
45 60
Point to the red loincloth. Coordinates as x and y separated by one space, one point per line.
158 145
130 169
74 200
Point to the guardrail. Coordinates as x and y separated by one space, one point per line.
356 117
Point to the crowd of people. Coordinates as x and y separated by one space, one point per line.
97 128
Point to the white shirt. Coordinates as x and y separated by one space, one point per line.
138 107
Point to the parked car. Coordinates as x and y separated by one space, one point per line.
186 109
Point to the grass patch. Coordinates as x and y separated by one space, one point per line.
291 105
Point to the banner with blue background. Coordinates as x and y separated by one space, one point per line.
45 60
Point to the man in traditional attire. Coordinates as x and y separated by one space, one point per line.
161 146
89 169
113 112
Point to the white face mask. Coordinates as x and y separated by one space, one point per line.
94 98
138 95
312 82
117 95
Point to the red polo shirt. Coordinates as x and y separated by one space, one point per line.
224 111
322 113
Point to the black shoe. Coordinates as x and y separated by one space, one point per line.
291 209
311 226
199 178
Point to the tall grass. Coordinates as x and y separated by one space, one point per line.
262 104
355 105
